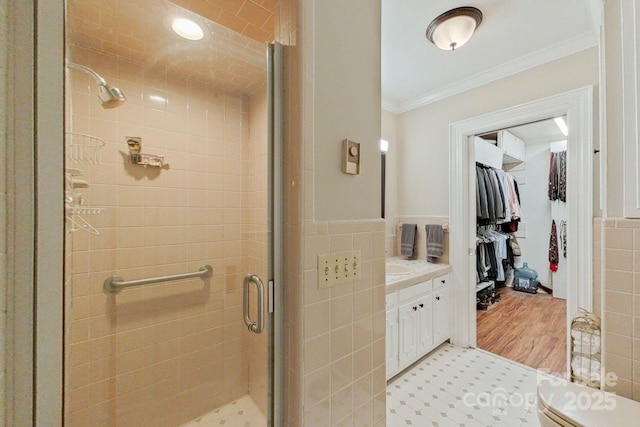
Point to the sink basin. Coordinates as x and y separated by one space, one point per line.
397 269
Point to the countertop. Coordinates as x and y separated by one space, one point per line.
422 271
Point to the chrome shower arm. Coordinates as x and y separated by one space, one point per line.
88 70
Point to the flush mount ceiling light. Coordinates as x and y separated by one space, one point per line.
187 29
454 28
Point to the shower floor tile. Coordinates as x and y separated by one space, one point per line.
464 387
239 413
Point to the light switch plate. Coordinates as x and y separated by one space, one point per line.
338 268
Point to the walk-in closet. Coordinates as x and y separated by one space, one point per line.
521 246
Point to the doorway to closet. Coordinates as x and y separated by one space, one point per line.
521 248
577 106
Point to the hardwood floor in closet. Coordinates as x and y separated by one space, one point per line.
526 328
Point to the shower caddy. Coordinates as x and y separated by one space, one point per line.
80 149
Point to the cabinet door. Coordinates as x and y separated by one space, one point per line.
425 325
441 315
408 333
392 342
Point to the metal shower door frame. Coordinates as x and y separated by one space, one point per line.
275 264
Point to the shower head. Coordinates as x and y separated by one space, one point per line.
110 96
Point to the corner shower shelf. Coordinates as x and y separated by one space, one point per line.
83 148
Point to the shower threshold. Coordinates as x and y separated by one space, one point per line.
242 412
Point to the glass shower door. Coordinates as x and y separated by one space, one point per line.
169 186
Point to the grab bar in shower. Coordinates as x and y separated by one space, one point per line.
115 283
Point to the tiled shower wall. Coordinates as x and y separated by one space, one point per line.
622 304
167 353
254 238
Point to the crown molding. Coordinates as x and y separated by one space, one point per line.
532 60
391 106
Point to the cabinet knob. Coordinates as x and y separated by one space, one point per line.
415 308
421 305
437 298
443 281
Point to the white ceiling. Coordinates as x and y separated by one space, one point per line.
514 35
544 131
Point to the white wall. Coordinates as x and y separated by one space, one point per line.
423 179
390 133
536 211
347 106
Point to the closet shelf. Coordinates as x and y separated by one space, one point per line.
483 285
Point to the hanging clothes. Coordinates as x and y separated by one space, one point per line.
563 237
554 257
552 190
497 198
558 176
562 179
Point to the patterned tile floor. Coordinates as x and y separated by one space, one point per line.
239 413
464 388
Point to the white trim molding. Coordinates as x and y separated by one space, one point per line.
560 50
578 107
630 111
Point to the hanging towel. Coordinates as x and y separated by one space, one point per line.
435 242
409 240
554 257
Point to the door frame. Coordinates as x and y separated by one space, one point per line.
577 105
35 214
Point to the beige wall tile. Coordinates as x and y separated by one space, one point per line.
317 352
317 319
618 345
617 259
617 238
317 386
341 311
620 281
341 404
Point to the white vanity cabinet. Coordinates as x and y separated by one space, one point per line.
441 310
392 334
408 326
417 322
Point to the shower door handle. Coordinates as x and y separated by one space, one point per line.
258 326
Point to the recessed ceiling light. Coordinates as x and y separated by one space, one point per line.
187 29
